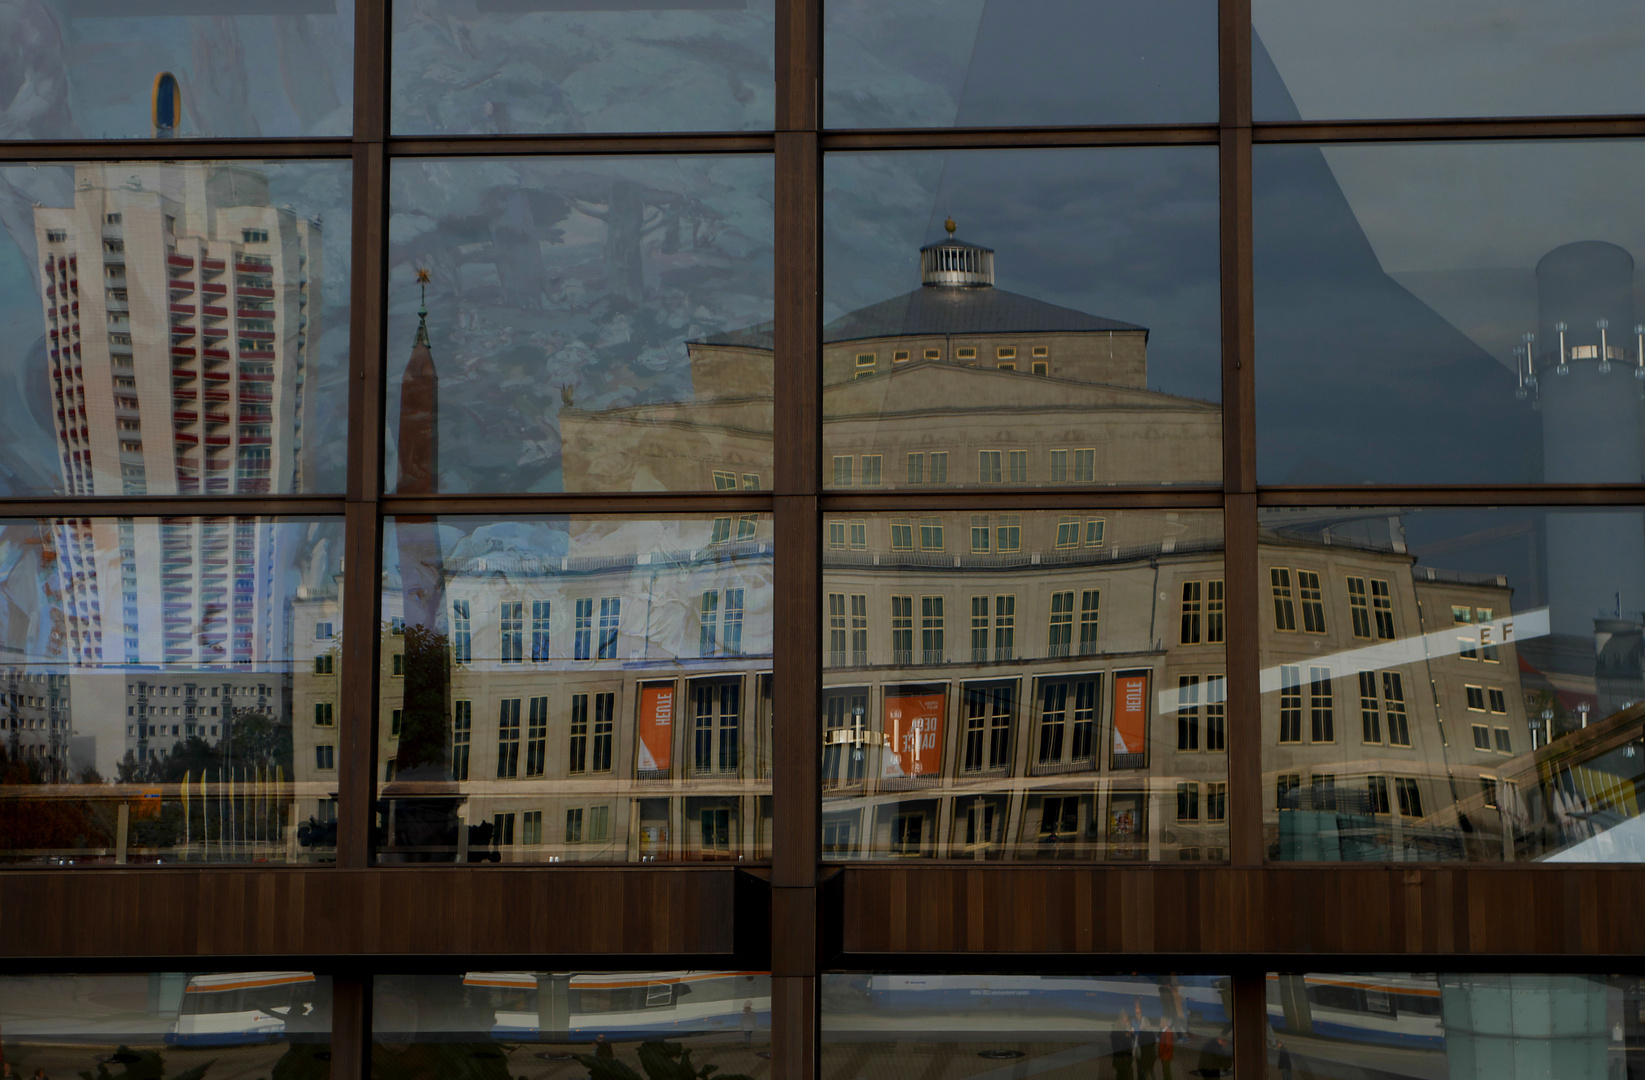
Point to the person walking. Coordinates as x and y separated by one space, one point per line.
748 1023
1147 1043
1122 1046
1284 1059
1167 1046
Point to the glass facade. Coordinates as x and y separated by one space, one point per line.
1206 443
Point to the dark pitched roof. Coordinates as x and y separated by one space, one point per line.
931 310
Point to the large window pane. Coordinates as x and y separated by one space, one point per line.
1448 313
593 325
1341 60
1025 686
971 63
1453 684
1586 1027
174 329
576 689
1090 358
167 1023
91 69
510 67
170 689
542 1025
945 1027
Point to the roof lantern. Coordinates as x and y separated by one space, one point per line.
953 262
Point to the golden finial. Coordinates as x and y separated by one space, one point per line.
422 275
950 226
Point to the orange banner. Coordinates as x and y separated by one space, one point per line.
913 735
1130 712
656 726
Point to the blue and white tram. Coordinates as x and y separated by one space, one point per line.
623 1006
233 1008
1391 1010
1081 997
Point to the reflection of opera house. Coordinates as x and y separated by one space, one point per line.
998 685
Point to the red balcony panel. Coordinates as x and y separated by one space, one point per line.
181 373
213 288
252 268
181 309
257 378
217 354
213 312
216 395
185 417
180 260
258 335
183 350
211 264
261 292
217 376
183 438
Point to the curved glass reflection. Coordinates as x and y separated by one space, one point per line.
1025 686
163 699
1453 684
576 689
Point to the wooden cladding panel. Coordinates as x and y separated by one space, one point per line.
1317 911
381 912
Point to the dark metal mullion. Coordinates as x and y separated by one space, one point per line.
171 506
362 548
173 150
1024 137
1513 495
797 636
581 145
669 503
1501 128
996 498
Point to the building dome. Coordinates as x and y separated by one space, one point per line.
953 262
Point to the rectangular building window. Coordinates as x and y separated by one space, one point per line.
462 729
599 824
540 649
322 713
751 481
1017 464
322 664
1008 534
1313 601
611 609
531 828
731 638
1005 627
988 717
1410 796
1188 712
536 747
725 481
577 757
722 531
937 473
902 534
979 629
1499 703
1376 794
1504 741
1476 698
1321 707
1382 606
931 617
582 636
1060 634
1462 616
931 534
574 825
1214 621
605 719
513 631
1393 704
1090 611
716 738
708 617
1370 719
1359 607
843 469
1482 737
989 468
1286 786
508 739
1068 532
1187 802
871 467
1285 615
1290 704
1191 602
902 629
916 468
1216 800
981 534
325 756
1058 471
1053 721
1216 713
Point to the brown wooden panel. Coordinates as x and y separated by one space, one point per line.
1220 911
322 912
